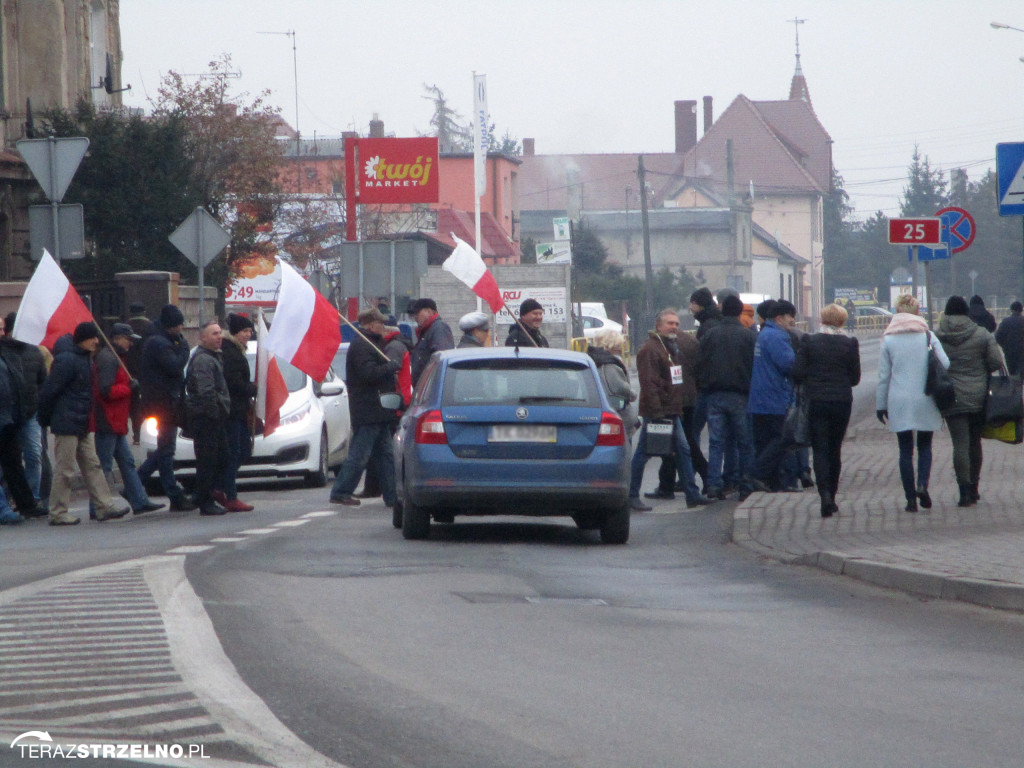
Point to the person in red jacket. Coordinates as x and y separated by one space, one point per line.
116 389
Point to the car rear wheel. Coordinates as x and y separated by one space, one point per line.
415 521
587 521
615 528
318 478
396 514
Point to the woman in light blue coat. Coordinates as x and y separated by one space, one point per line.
900 397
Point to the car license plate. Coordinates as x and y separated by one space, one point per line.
523 433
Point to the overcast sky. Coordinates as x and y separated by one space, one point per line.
602 75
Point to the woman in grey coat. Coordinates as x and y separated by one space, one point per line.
973 353
606 350
900 397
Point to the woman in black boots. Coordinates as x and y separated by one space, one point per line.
827 365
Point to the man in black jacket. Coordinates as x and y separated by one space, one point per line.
29 372
724 372
1010 335
162 379
242 391
368 373
526 333
207 405
432 335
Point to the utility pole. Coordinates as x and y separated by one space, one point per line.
648 270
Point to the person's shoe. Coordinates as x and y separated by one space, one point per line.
660 494
638 506
182 504
966 497
149 506
348 501
211 508
744 494
113 514
220 498
757 485
716 495
39 510
826 506
364 494
64 519
974 491
237 505
698 501
806 480
923 498
911 504
10 517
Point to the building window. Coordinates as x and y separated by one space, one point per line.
782 286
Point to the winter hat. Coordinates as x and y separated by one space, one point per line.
472 321
238 323
956 305
419 304
136 309
85 331
733 307
703 297
171 317
783 307
766 309
528 306
123 329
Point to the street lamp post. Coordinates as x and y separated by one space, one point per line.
1000 25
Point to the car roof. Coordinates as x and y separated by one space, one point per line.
522 352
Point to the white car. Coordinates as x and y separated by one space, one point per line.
313 437
592 324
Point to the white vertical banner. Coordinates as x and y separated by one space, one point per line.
480 138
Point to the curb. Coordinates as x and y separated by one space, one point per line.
914 581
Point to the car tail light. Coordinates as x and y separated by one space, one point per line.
611 431
430 429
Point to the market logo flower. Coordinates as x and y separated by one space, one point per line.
371 168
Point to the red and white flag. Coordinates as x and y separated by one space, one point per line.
466 264
50 307
307 329
271 391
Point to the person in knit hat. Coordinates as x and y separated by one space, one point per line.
531 315
162 362
241 390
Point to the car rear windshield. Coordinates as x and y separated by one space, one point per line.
520 382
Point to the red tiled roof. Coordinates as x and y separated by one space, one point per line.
463 225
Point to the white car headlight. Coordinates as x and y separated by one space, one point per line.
297 416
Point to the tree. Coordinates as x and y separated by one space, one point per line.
925 192
447 124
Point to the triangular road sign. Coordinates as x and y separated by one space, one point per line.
53 162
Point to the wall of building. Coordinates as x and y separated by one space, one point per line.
458 188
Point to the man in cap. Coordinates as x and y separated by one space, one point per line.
116 389
67 404
368 373
475 329
162 380
531 315
432 335
207 405
242 390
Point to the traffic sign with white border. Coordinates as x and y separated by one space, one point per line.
1009 162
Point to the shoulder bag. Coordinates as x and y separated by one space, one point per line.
938 384
1004 402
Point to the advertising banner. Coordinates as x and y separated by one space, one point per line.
396 170
553 300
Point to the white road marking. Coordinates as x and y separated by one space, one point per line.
189 550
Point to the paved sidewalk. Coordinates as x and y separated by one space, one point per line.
975 554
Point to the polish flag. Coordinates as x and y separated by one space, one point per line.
50 307
466 264
307 329
271 391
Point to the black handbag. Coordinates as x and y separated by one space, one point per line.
1005 401
796 427
938 384
659 437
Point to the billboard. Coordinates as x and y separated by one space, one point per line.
395 170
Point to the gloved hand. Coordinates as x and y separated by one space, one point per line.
133 384
882 415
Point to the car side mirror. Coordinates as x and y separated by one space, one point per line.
331 388
390 401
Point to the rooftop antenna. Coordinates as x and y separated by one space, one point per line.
295 70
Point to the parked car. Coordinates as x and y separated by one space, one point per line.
592 324
313 437
507 431
879 312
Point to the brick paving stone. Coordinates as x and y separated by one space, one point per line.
983 543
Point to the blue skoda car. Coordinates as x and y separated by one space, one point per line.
512 431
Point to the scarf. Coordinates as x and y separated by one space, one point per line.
904 322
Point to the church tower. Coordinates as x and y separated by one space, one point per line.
798 87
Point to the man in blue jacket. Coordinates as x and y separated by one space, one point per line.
771 392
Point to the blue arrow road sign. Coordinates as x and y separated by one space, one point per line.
1009 162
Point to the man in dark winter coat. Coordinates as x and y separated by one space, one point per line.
142 327
237 375
116 388
1010 335
432 335
67 404
207 405
980 315
724 372
659 368
531 315
368 373
28 371
162 380
475 331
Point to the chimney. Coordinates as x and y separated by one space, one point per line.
708 114
686 126
528 146
377 127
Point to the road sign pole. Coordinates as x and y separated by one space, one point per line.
928 291
913 271
202 268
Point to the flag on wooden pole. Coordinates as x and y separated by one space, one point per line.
50 307
466 264
307 329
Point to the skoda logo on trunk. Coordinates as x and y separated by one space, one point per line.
522 413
